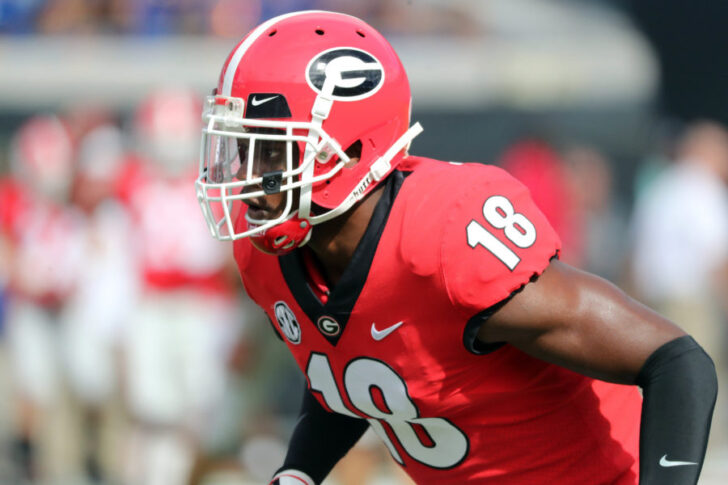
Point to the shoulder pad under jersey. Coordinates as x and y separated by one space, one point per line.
476 230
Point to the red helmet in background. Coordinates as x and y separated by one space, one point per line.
166 127
41 157
313 84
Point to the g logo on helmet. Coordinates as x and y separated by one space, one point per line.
354 73
287 322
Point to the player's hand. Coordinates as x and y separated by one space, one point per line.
291 477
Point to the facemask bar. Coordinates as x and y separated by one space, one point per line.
216 187
226 120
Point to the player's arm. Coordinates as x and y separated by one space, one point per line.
584 323
320 439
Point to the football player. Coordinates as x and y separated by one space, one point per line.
426 299
173 367
42 255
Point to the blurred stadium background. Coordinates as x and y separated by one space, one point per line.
128 351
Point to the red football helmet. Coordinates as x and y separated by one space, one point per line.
42 156
166 127
293 96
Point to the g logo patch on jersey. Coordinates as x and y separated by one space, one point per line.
355 74
287 322
329 326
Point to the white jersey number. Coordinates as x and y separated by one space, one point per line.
501 215
444 444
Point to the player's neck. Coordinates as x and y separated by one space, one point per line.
334 242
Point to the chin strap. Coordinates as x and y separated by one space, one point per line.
319 112
379 169
383 166
283 237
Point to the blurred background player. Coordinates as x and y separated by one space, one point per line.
175 344
679 261
97 313
44 253
599 215
680 228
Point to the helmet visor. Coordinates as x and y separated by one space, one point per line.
249 156
243 159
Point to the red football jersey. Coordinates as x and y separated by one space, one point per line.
45 239
174 247
393 342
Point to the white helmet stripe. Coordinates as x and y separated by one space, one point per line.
232 67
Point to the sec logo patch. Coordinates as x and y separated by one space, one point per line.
287 322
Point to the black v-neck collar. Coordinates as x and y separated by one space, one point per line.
331 318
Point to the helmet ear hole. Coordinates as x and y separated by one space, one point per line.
353 152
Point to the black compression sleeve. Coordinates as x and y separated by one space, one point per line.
321 439
679 386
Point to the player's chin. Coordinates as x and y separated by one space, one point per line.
256 219
262 245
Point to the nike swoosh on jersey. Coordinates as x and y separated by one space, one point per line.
664 462
380 334
257 102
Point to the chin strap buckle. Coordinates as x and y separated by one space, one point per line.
321 107
383 165
380 169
